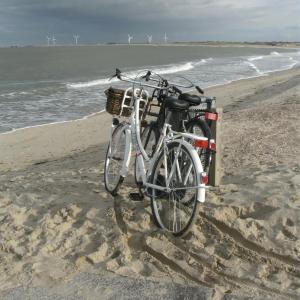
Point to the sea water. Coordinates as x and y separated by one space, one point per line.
40 85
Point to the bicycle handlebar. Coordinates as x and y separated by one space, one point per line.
172 84
165 85
147 77
128 79
165 81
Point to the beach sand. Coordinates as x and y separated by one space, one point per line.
57 222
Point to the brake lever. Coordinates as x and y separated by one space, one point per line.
118 74
147 76
199 89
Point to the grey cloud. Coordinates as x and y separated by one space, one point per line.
27 21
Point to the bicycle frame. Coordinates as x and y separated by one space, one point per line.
133 140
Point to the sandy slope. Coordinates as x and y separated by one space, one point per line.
56 220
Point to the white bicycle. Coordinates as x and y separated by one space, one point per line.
172 177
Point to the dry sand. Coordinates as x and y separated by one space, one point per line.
57 221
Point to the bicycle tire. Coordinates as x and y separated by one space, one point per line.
201 128
182 197
117 148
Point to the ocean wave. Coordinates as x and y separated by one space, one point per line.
254 67
203 61
91 83
168 69
293 59
274 53
17 93
283 68
255 58
13 94
8 94
174 68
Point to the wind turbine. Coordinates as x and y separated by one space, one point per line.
149 37
53 40
129 38
76 37
166 38
48 40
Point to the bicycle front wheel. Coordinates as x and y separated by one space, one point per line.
175 210
114 160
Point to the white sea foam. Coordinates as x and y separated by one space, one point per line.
169 69
8 94
254 67
274 53
255 58
174 68
52 123
13 94
91 83
286 67
203 61
293 60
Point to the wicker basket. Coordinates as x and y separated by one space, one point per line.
114 101
119 104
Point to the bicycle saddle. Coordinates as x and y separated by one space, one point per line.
192 99
176 104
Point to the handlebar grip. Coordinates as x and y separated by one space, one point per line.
118 73
199 90
147 76
177 90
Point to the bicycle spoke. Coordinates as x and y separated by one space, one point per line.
178 171
187 174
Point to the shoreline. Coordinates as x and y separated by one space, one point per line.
281 45
53 123
268 73
36 143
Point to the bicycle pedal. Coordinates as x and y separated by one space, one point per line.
136 197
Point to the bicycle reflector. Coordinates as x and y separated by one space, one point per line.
201 144
204 178
211 116
212 145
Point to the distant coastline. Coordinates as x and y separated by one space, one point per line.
279 44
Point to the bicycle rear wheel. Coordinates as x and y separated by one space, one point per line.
200 128
175 211
114 160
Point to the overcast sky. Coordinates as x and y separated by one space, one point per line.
30 21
